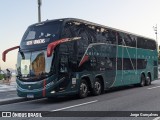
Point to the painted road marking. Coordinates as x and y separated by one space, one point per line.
74 106
157 118
153 87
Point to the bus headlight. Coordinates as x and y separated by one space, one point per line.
53 92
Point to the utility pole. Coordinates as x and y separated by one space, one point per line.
155 30
39 10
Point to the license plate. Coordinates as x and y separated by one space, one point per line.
30 96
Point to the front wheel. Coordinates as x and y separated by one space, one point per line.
97 87
83 89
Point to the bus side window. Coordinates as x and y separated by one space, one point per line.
72 55
66 31
105 35
82 44
91 32
131 40
100 35
119 64
127 65
112 36
126 41
141 64
120 40
146 44
151 44
63 54
70 30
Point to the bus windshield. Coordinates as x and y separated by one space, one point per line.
34 65
42 30
40 35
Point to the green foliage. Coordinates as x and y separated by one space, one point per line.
1 76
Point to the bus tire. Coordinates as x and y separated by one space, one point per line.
83 89
142 83
97 89
148 80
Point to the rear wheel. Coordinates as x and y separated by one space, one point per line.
97 90
148 80
83 89
142 83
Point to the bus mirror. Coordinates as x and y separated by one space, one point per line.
6 51
51 46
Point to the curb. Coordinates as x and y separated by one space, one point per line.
12 100
2 91
17 100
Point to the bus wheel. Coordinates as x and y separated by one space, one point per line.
83 89
148 81
142 83
97 87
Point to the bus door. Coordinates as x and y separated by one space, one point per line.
63 65
67 62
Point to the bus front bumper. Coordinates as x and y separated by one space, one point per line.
44 88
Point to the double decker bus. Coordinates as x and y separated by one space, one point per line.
72 56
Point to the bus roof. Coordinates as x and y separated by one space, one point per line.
94 24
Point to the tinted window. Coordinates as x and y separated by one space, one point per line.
127 65
112 36
119 64
120 39
68 56
126 39
130 64
141 63
44 30
146 43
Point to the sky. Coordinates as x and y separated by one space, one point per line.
136 16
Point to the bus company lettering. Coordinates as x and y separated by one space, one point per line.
27 114
33 42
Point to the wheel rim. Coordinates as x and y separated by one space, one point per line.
83 89
148 81
143 81
97 86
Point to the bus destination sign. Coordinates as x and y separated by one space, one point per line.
35 42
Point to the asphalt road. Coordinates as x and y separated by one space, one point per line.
8 94
122 99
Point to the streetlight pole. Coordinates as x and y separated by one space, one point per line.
155 30
39 10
